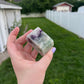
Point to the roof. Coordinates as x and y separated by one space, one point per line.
6 5
62 3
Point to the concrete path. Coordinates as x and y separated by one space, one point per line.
3 56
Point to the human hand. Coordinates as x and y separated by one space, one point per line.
27 69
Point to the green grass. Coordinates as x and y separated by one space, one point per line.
67 66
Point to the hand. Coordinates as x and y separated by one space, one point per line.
27 69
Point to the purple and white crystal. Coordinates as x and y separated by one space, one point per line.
40 41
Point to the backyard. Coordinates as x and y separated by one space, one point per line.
67 66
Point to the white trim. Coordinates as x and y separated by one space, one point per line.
2 6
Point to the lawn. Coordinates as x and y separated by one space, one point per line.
67 66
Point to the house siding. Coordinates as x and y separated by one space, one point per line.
63 7
7 19
3 37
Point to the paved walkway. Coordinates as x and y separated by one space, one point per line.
3 56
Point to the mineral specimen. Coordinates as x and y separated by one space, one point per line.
40 41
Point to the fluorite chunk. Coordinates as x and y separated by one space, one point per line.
40 41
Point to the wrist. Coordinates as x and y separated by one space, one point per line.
29 82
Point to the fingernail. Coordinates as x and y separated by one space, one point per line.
53 50
17 28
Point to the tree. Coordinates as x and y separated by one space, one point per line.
42 5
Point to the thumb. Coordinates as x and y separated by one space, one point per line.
45 60
11 41
13 35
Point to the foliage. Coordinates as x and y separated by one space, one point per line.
34 5
38 5
77 5
67 66
42 5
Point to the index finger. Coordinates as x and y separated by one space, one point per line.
21 40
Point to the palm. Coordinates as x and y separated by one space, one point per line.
24 55
26 51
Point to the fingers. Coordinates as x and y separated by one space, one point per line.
21 40
34 53
13 35
11 41
45 60
28 48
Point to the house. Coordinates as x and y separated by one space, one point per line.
63 7
10 16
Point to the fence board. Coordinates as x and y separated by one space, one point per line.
72 21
